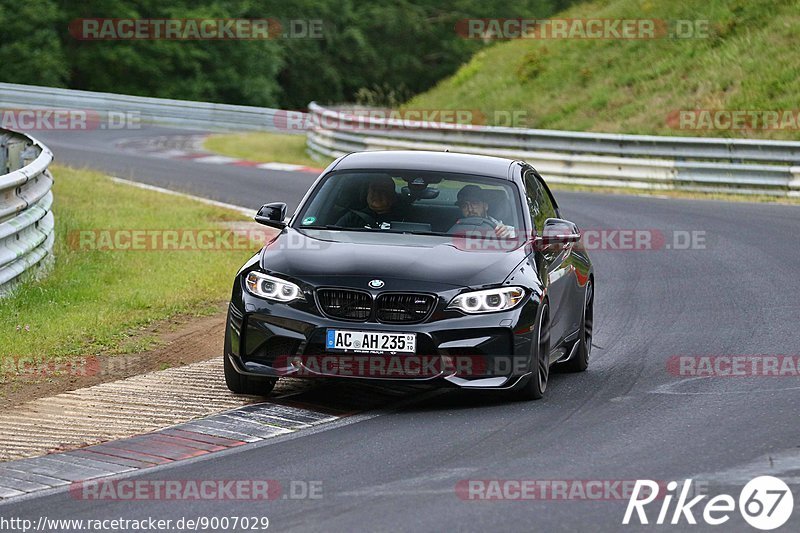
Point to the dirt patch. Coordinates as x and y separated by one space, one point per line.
180 341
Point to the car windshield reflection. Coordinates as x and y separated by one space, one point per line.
413 202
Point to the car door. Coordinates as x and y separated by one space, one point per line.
554 263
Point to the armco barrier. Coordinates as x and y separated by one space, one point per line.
26 221
743 166
176 113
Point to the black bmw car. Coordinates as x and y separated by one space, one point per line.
432 267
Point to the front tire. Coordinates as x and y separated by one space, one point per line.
536 385
580 362
250 385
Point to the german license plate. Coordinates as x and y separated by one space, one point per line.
370 342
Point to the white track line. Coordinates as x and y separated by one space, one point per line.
243 210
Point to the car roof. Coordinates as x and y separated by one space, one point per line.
482 165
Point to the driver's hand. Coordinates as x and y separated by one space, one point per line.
503 231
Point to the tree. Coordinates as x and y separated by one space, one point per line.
30 49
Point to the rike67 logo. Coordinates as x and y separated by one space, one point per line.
765 503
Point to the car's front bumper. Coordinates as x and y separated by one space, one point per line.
468 351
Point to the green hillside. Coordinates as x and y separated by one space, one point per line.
748 60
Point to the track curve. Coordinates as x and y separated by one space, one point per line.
628 417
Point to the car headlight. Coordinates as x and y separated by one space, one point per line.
488 301
272 288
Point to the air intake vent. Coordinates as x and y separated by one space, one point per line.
346 304
400 308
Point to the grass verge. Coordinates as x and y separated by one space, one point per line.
264 148
97 301
741 55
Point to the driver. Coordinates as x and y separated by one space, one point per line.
381 206
472 201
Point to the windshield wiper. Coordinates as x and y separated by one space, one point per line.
335 227
434 233
376 230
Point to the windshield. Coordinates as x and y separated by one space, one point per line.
419 202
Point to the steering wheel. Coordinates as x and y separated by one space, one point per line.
475 221
371 222
471 224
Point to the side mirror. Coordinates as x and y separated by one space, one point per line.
556 234
272 215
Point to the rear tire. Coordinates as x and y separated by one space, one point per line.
250 385
536 383
580 362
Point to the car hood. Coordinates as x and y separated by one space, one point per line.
402 261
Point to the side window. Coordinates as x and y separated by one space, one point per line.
547 202
539 204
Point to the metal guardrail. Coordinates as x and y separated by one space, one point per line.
26 221
743 166
176 113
